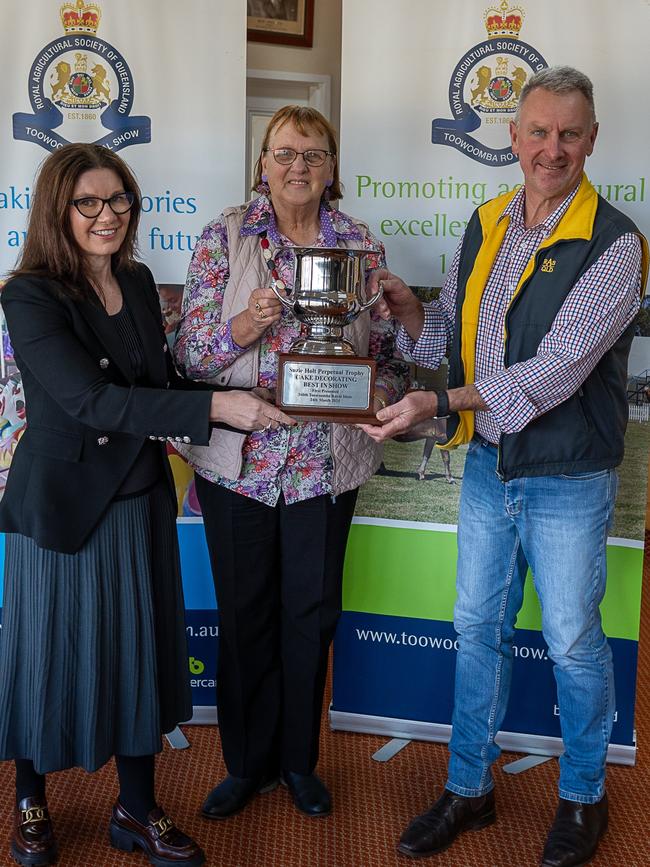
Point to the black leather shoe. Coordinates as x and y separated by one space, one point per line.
437 829
33 842
232 795
575 832
309 793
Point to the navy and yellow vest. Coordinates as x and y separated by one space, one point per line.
586 432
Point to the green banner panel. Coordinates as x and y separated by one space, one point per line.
408 572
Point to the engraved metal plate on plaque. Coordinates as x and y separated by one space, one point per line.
322 384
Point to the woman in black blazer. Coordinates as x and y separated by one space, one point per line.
93 659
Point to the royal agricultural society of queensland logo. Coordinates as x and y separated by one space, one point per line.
484 89
81 89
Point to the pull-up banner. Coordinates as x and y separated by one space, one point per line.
426 103
164 85
134 78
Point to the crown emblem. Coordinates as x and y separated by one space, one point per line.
80 17
503 21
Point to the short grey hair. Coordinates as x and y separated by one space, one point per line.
558 79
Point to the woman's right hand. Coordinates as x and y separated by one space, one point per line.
263 310
246 411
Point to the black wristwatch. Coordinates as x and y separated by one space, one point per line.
443 404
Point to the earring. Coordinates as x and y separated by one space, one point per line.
263 187
326 192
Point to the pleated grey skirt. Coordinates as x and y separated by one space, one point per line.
93 653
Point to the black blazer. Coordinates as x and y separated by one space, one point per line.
86 421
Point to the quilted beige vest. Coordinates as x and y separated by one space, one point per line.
355 456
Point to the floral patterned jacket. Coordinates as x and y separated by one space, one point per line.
296 462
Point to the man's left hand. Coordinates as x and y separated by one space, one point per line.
401 416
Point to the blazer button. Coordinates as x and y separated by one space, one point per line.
103 363
162 439
165 347
152 437
101 441
187 440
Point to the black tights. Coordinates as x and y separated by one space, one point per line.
135 773
29 784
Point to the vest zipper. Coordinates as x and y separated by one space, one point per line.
515 297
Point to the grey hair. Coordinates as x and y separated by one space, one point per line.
561 80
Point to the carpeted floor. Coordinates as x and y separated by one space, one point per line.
373 802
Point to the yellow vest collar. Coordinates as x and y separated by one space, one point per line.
578 222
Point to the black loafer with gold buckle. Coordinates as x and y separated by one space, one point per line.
33 843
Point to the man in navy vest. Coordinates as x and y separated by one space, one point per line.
536 319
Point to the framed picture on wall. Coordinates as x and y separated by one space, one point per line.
284 22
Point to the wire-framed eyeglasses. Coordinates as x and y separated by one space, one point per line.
92 206
314 157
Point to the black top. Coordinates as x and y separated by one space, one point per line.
148 466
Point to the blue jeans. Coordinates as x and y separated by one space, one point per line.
558 525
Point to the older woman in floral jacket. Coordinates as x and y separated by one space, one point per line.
277 504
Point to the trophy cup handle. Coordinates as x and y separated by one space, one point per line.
282 298
375 298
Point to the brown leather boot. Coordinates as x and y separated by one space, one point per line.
33 843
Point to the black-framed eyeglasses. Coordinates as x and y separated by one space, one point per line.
92 206
313 157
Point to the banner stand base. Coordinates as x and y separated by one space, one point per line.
525 764
177 740
203 715
392 748
517 742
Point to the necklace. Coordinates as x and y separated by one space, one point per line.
271 264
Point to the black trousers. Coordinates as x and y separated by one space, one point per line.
277 574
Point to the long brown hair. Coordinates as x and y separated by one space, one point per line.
305 120
50 249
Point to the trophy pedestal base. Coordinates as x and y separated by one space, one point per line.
330 388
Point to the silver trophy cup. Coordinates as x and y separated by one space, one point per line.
329 292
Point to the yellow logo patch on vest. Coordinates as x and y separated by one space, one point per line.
548 265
